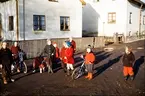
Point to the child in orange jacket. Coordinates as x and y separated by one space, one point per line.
89 61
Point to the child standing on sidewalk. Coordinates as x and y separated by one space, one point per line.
128 60
89 62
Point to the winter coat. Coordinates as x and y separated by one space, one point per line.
89 58
57 52
15 50
128 59
69 55
6 59
62 53
49 51
73 43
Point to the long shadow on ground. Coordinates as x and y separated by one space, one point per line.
137 65
102 68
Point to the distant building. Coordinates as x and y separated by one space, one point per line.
40 19
106 17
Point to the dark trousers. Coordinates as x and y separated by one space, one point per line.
49 63
6 74
89 67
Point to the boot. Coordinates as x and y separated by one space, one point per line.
125 78
18 70
132 78
40 70
5 81
87 76
90 76
71 71
68 72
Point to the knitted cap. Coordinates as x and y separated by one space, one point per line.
68 43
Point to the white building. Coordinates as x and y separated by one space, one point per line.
40 19
110 16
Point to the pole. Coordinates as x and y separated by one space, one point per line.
24 20
140 20
17 21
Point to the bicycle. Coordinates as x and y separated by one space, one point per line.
79 71
21 64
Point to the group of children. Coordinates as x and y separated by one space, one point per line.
52 54
65 55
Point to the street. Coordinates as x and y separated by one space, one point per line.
108 77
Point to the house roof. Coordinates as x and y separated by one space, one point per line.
138 2
1 1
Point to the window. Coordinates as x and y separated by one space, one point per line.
96 0
130 18
112 17
11 23
39 23
64 23
144 20
54 0
0 18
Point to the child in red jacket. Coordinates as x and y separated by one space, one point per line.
69 57
62 55
89 61
56 58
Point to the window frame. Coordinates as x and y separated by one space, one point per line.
53 0
130 17
111 21
11 23
39 21
143 19
64 23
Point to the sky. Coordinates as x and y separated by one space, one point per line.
143 1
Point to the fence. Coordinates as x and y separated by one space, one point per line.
35 47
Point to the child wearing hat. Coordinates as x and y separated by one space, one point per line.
69 59
128 60
89 61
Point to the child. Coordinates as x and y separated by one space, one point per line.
56 57
37 63
128 60
89 61
69 57
62 55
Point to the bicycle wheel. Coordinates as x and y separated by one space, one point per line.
24 67
76 73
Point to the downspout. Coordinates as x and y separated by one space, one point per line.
24 20
140 14
17 21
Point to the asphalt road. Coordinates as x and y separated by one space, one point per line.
108 77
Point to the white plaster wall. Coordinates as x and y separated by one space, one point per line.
102 8
143 25
8 9
52 12
134 27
